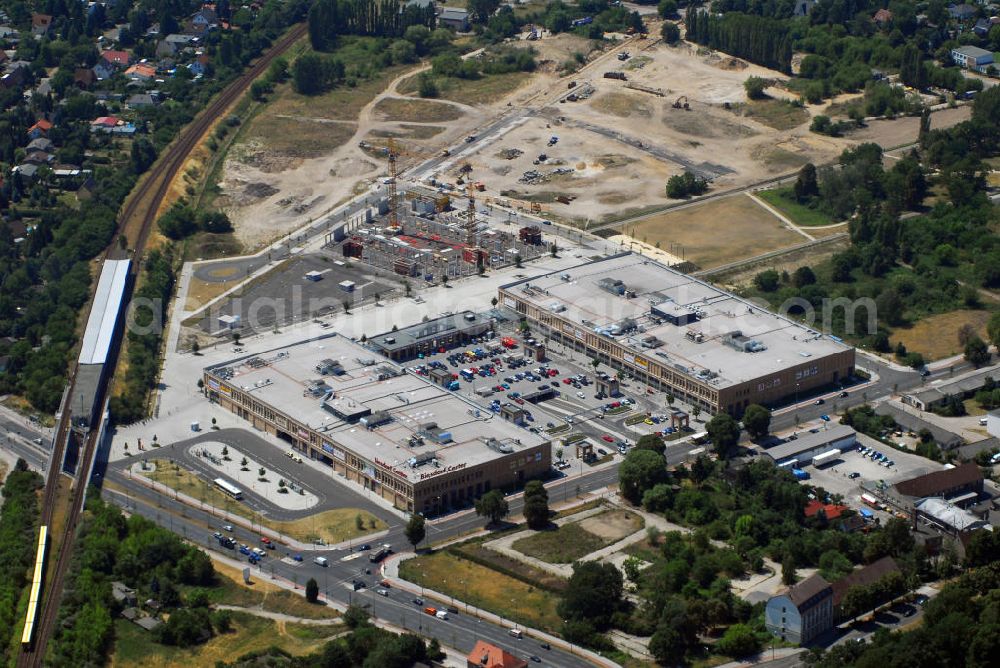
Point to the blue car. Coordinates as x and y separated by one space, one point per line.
824 418
244 549
297 557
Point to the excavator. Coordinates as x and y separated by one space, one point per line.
682 103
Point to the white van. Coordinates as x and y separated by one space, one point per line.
516 633
322 561
441 614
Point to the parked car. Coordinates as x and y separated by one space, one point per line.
607 438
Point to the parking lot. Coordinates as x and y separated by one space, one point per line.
837 478
287 295
555 394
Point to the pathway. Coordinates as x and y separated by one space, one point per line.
259 611
780 216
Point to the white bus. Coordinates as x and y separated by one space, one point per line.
229 488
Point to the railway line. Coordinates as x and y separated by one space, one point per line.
137 216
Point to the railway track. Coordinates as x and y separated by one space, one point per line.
139 211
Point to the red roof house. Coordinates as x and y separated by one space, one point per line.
118 58
831 510
485 655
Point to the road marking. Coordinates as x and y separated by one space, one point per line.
351 556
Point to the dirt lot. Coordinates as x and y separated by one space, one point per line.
612 525
736 146
716 232
936 336
900 131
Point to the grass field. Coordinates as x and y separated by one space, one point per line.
622 105
803 216
716 232
936 336
299 137
263 594
333 526
425 111
484 90
410 132
574 540
483 588
777 114
561 546
134 647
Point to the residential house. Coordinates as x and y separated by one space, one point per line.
456 19
141 72
103 124
982 27
84 77
865 576
103 70
153 30
123 594
140 100
831 511
202 21
882 17
27 171
962 12
15 73
39 158
200 65
40 145
801 613
44 88
40 24
173 44
486 655
972 58
117 58
39 129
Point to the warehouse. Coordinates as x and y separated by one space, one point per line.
395 434
705 346
801 451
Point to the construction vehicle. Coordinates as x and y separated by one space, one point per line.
615 75
624 55
571 84
682 103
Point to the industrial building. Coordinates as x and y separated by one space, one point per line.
447 331
961 485
395 434
948 516
808 445
672 331
103 324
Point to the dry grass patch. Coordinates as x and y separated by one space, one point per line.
265 595
395 109
484 90
575 540
484 588
298 137
135 647
406 131
774 113
716 232
622 105
936 336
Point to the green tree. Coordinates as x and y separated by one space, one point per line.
767 281
739 640
652 442
757 421
977 352
493 506
754 87
593 594
806 185
667 9
480 11
415 529
536 505
670 33
724 432
641 470
312 590
788 569
993 329
426 85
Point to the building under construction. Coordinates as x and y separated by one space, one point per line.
421 241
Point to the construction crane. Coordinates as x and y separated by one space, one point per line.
679 104
393 174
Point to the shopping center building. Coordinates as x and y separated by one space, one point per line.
676 333
419 446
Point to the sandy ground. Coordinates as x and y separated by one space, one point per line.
622 144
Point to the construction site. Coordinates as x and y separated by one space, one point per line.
421 235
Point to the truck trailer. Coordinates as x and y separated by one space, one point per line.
826 458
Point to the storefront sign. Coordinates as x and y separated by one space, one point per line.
390 468
446 469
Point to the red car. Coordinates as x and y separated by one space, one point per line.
553 373
519 401
567 381
607 438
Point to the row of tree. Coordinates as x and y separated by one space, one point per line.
760 40
330 19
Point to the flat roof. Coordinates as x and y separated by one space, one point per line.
104 312
407 336
973 51
809 441
780 342
281 378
